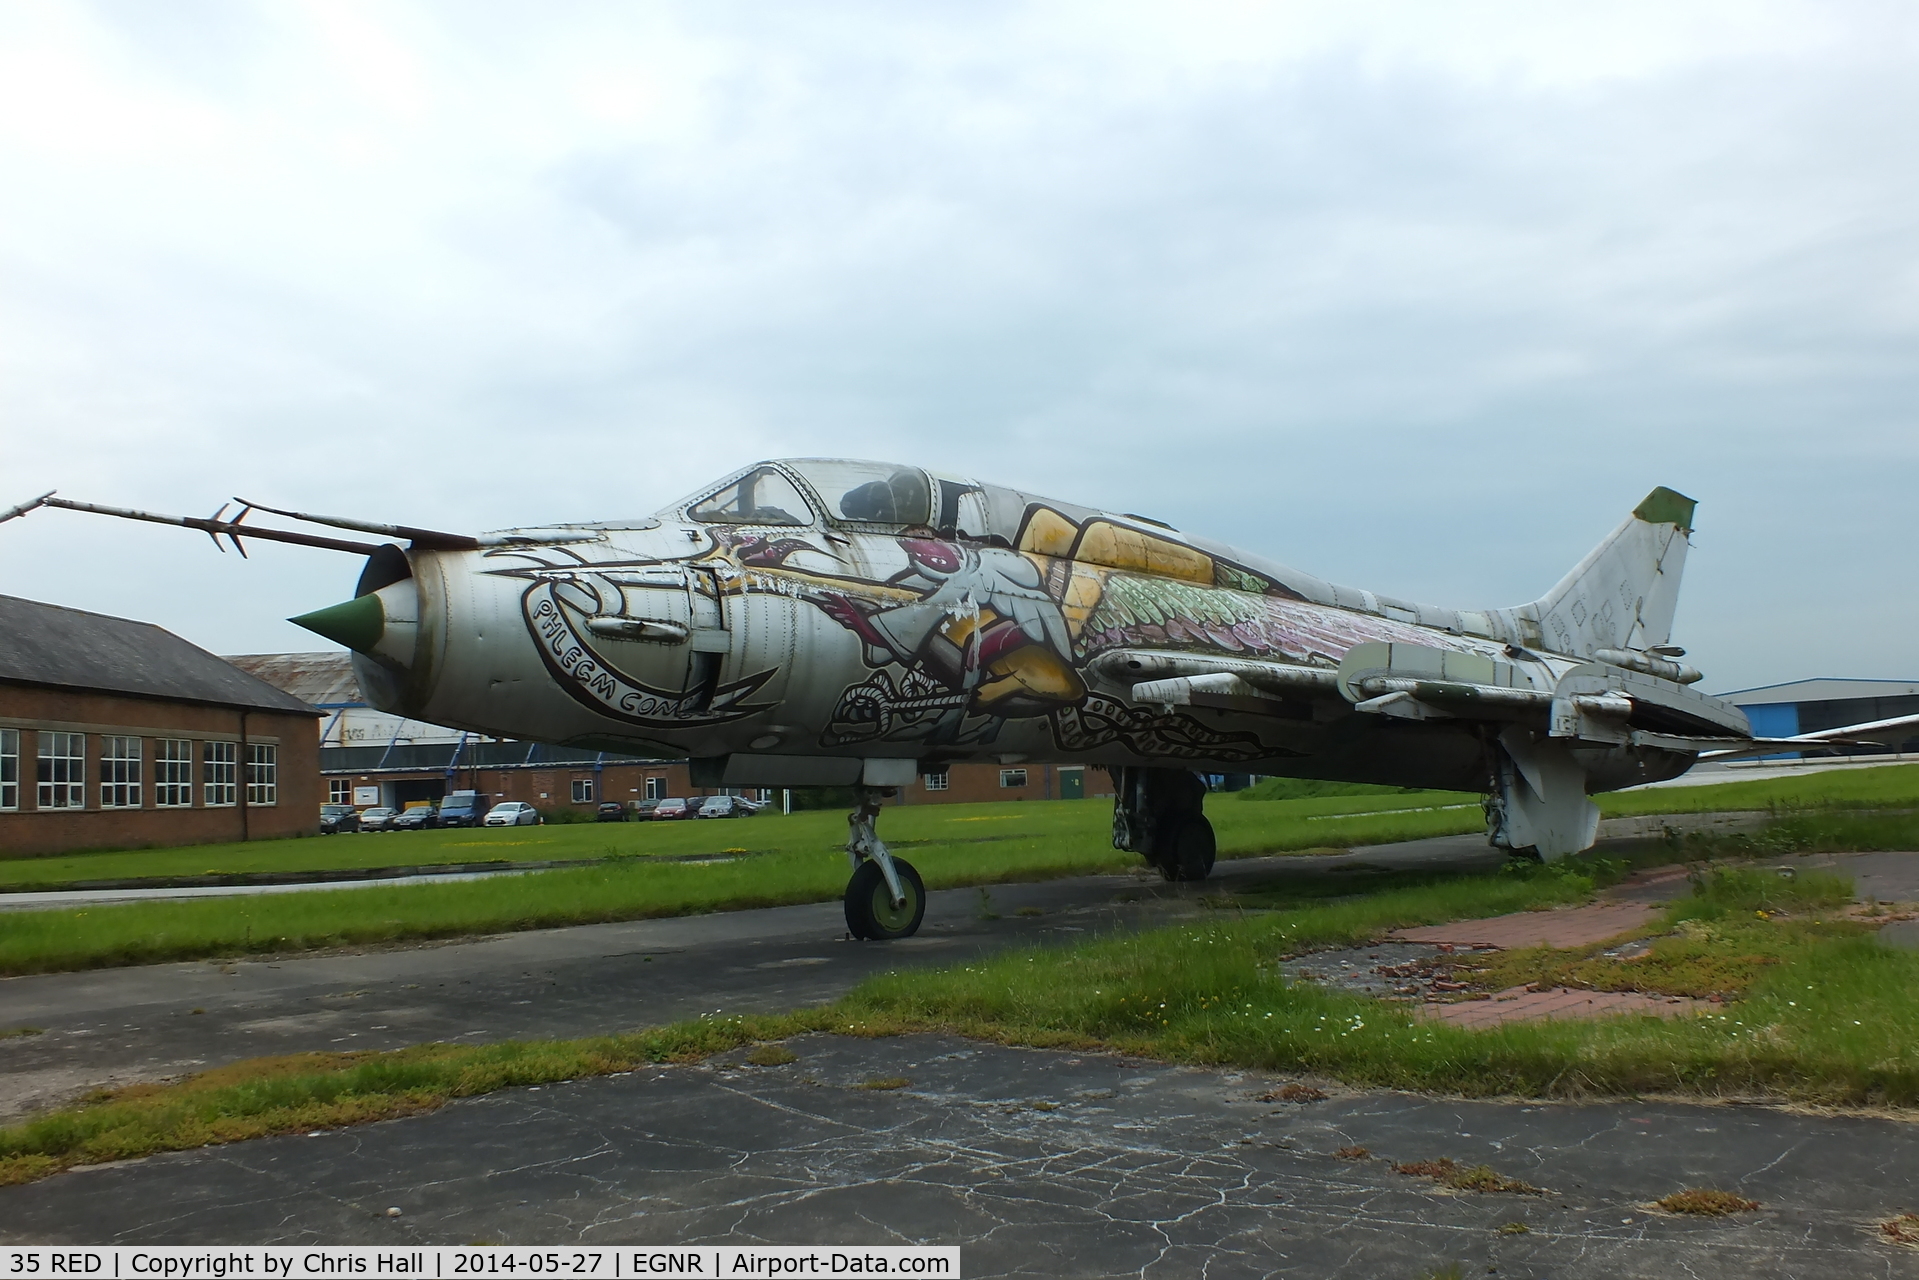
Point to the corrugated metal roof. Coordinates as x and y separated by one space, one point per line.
50 644
323 679
1822 689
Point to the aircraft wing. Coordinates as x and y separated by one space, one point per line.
1591 703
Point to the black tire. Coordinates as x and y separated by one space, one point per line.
1187 850
870 913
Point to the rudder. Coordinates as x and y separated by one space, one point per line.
1624 593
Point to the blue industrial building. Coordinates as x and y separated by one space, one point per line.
1807 706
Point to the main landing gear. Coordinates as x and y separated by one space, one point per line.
1159 813
885 898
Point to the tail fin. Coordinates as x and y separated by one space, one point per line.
1623 594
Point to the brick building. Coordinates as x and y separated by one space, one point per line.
117 734
370 757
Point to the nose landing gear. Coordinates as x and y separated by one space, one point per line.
1160 814
885 899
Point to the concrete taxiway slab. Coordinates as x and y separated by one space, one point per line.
1039 1164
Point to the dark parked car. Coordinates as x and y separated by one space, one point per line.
726 807
418 818
378 819
674 808
335 818
610 811
643 809
463 809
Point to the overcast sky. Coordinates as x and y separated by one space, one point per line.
1422 297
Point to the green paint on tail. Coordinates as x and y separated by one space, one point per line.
1663 506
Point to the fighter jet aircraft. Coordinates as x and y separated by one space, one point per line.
824 621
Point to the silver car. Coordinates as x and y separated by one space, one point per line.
380 819
514 813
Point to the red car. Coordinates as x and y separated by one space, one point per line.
672 809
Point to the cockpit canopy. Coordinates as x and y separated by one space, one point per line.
761 496
849 492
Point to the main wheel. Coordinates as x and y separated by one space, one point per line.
870 912
1187 851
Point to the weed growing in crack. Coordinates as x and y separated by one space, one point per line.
1458 1177
771 1055
1705 1202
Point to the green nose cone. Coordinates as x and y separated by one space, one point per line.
357 624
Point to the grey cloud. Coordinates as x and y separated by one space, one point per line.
1430 332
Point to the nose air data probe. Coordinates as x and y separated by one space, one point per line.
827 622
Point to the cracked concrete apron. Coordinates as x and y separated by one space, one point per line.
1038 1163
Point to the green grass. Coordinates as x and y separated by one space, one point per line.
1302 788
1892 786
1738 922
305 1092
1809 831
797 860
1835 1022
1268 817
953 846
1252 828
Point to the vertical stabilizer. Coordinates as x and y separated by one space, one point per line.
1623 594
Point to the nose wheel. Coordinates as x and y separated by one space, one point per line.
885 899
871 912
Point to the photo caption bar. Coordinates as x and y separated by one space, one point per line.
285 1262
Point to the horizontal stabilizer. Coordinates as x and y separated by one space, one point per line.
1869 733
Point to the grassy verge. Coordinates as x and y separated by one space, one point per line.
798 861
1277 815
1738 923
1892 786
996 844
1829 1019
1809 831
304 1092
1283 824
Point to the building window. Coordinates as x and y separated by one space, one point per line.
1012 777
119 772
656 788
9 768
582 791
339 791
263 773
937 781
217 773
63 770
172 773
